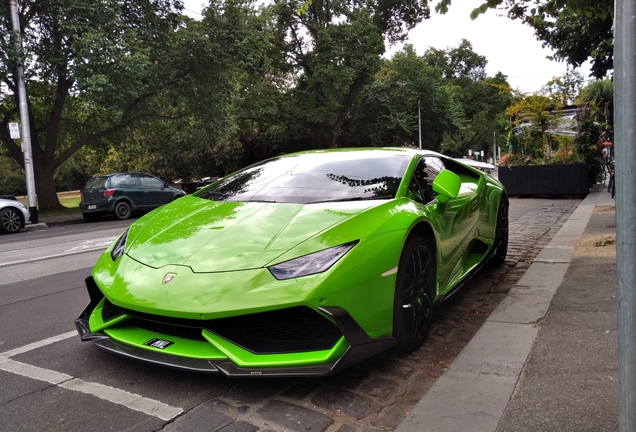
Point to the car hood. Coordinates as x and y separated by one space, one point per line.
4 202
13 203
212 236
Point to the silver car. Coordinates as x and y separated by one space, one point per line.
13 214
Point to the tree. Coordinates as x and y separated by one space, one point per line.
334 49
387 114
95 69
532 116
482 100
596 125
564 90
538 120
600 94
577 30
458 63
263 110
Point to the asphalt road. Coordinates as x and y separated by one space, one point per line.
51 381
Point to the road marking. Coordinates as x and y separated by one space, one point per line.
34 372
92 244
48 257
78 248
38 344
130 400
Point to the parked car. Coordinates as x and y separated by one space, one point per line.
13 214
299 265
123 194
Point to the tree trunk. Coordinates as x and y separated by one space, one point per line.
45 187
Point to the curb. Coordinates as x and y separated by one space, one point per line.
474 392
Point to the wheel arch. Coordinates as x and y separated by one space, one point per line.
504 198
16 211
127 200
425 230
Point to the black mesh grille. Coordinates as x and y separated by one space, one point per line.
110 311
295 329
168 329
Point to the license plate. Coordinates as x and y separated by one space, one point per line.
92 207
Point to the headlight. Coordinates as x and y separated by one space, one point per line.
23 205
316 262
120 246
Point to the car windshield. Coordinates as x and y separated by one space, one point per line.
314 177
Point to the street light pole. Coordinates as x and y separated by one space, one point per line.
24 115
494 148
419 123
625 158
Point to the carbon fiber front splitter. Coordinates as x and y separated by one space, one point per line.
361 346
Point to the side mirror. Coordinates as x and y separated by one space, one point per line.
446 185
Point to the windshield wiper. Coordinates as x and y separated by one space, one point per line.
358 198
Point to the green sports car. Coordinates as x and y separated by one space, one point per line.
299 265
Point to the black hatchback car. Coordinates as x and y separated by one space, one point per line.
123 194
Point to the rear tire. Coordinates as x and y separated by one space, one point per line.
10 220
414 294
501 233
123 210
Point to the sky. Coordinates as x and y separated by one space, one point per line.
509 46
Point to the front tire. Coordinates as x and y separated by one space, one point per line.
10 221
123 210
501 233
414 294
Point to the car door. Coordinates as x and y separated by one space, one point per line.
155 191
456 220
127 185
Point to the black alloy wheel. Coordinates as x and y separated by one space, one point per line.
501 233
123 210
414 294
10 220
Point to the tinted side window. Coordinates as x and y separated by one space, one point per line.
123 180
419 187
150 181
433 167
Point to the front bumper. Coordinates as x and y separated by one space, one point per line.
217 354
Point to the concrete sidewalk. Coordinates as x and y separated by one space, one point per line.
546 358
49 221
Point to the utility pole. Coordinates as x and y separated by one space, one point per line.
419 123
494 148
24 115
625 158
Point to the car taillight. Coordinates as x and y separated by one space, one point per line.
109 192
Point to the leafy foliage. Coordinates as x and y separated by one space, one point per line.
533 141
482 100
109 57
577 30
597 127
117 86
387 114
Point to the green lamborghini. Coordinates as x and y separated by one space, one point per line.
300 265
